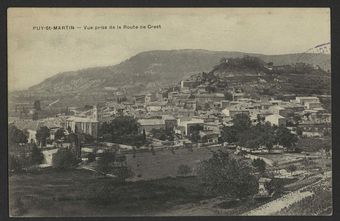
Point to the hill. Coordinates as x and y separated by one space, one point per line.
155 69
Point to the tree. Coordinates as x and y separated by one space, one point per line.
275 185
64 159
16 135
285 138
291 168
37 105
229 134
241 122
42 134
194 133
124 130
260 165
228 96
162 134
225 175
183 170
59 134
37 156
105 164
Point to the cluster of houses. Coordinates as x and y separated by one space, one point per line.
190 106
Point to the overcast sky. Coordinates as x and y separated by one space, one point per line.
36 55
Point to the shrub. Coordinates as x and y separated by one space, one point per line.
14 164
222 174
122 173
64 159
259 164
91 157
37 156
106 162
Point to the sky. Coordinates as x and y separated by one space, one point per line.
34 55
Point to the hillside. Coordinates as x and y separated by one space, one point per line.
255 77
154 69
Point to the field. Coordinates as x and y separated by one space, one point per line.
50 193
78 192
164 163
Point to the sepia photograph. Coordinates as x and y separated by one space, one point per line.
119 112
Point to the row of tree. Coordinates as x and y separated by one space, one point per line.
123 130
243 133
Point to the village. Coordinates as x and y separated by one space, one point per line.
169 132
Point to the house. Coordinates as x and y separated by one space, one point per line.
303 100
233 111
170 121
209 136
276 119
225 103
312 105
83 125
187 84
32 135
314 129
277 109
263 191
187 126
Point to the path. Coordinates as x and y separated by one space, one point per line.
277 205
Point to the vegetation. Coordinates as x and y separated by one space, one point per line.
228 96
291 168
64 159
163 134
15 135
59 134
227 176
320 203
259 165
262 134
109 163
23 157
194 134
275 186
16 164
42 134
123 130
37 156
105 163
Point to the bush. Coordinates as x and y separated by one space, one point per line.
222 174
14 164
122 173
64 159
91 157
37 156
259 164
106 162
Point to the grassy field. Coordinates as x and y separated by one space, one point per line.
165 163
50 192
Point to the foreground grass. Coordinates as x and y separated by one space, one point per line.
50 192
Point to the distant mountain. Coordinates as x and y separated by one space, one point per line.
155 69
